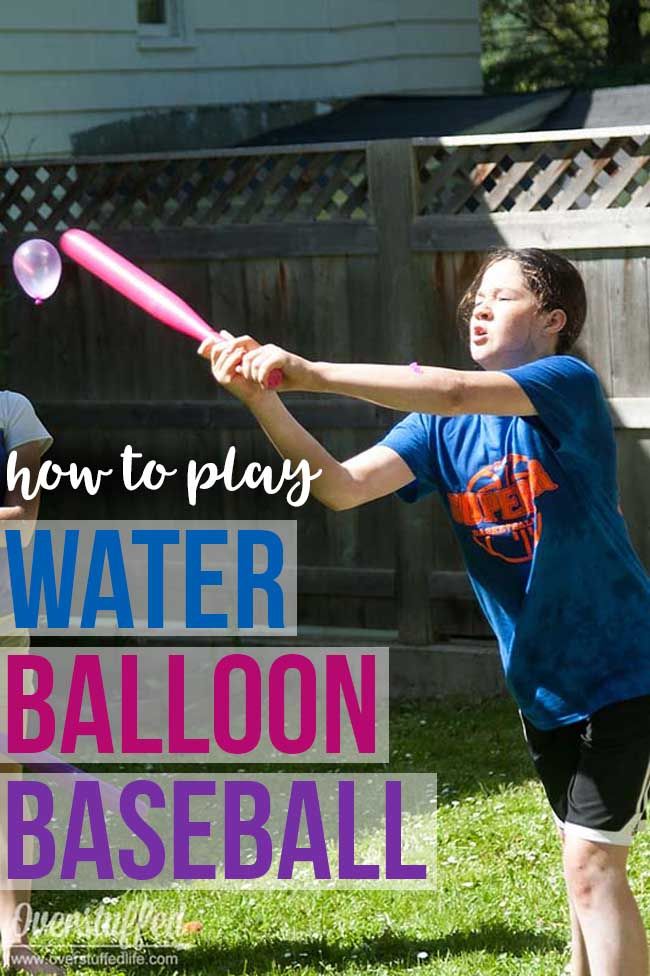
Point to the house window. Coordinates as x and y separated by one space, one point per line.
152 12
159 18
164 25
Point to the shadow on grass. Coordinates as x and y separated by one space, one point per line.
389 950
67 901
472 746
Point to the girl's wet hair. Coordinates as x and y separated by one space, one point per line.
554 282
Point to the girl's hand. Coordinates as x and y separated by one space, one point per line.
225 353
259 362
244 367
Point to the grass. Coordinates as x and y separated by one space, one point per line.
499 903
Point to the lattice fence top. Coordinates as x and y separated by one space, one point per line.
551 172
590 172
184 192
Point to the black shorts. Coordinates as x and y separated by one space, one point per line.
596 773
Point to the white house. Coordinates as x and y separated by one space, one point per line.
89 75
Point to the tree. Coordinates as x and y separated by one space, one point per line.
624 41
533 44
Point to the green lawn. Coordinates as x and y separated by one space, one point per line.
498 907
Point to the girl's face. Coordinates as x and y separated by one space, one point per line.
506 328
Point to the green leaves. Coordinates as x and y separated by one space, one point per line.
534 44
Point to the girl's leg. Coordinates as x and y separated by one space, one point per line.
607 913
556 754
579 959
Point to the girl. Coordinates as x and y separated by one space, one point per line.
522 454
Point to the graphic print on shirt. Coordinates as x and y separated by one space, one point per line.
499 505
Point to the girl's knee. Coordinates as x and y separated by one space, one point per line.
593 871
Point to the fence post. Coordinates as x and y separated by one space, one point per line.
393 194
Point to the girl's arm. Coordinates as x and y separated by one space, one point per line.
340 485
420 389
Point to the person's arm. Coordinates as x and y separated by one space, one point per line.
429 389
15 505
426 389
341 484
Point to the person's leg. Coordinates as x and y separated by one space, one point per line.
14 901
556 754
605 806
579 965
607 913
579 960
11 898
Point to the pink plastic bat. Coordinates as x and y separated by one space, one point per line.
140 288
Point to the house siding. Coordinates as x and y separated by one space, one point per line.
71 66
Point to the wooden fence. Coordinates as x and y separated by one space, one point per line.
346 252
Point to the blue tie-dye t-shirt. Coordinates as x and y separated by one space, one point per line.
534 504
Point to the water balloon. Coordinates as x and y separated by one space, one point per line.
37 266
